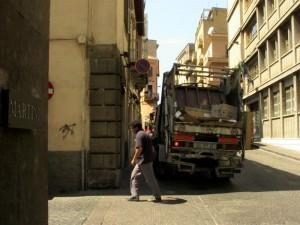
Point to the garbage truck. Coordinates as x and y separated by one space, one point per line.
198 124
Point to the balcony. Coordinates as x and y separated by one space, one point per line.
216 53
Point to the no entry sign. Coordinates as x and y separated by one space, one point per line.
50 90
142 66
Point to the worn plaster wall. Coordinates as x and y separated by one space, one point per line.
68 113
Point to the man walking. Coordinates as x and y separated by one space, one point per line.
143 163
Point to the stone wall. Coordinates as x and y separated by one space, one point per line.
64 171
104 157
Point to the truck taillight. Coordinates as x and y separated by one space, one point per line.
183 137
228 140
176 144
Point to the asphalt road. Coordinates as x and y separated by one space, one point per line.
266 192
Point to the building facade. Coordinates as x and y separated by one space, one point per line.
24 46
209 49
264 39
187 55
149 95
96 90
211 38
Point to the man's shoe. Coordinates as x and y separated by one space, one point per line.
134 199
155 199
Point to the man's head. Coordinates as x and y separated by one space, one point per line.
136 126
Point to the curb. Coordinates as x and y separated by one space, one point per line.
278 153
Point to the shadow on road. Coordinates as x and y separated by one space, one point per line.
255 177
172 201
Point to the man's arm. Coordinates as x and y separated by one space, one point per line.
137 153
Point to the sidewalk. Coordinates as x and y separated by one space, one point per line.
279 150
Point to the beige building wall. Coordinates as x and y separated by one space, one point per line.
216 53
212 21
67 120
211 42
233 19
68 112
235 41
186 56
68 73
93 39
101 11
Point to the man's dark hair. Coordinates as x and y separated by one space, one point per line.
136 124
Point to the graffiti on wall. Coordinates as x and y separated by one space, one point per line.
67 129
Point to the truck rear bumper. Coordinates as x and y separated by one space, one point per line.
224 166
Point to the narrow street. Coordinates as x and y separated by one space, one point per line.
266 192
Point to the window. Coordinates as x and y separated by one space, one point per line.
263 57
286 37
289 100
276 104
273 44
265 107
297 26
251 30
271 6
252 67
261 13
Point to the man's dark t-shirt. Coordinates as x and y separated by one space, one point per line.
142 139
